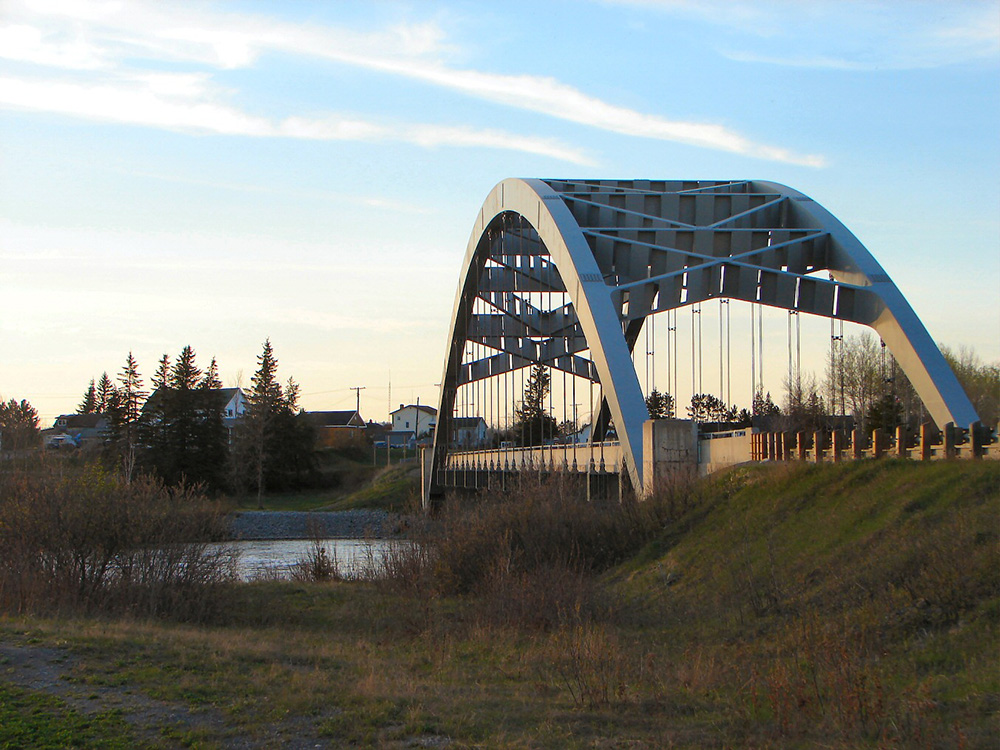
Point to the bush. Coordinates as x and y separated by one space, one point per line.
531 554
90 542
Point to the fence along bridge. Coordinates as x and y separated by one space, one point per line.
563 279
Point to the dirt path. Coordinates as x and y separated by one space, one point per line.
57 672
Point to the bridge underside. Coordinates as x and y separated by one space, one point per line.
564 273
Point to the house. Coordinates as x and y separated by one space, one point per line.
469 432
336 429
409 423
75 431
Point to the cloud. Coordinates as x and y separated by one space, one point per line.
186 102
848 35
124 33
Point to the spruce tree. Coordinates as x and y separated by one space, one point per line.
105 394
124 416
660 405
18 425
162 374
533 423
89 403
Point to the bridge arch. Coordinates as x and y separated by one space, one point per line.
626 249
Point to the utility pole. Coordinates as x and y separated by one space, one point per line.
357 389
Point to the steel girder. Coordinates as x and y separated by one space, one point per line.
625 249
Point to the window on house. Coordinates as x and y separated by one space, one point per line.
407 425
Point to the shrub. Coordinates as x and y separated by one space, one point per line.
90 542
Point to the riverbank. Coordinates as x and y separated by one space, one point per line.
852 605
343 524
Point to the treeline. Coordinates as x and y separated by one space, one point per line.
180 432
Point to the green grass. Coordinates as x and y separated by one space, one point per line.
850 606
350 480
33 719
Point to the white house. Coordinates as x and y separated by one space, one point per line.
411 422
469 432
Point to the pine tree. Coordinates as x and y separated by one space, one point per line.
211 379
105 394
532 421
708 408
18 425
182 425
660 405
274 446
124 416
89 403
265 399
162 374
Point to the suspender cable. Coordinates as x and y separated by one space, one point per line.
760 345
753 353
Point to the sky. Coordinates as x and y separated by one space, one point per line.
217 174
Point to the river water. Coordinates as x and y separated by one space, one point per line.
275 558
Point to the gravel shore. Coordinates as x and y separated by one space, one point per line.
344 524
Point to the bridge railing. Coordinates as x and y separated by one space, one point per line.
569 457
927 444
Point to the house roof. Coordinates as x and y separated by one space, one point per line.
224 396
468 423
349 418
426 409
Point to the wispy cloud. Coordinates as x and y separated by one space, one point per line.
849 35
111 37
186 102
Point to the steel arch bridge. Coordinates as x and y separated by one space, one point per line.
619 251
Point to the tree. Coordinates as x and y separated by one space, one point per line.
18 425
981 382
105 394
660 405
124 415
162 374
532 421
182 426
804 407
708 408
855 377
274 448
763 406
885 414
89 403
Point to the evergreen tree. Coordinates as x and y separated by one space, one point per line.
660 405
124 416
274 447
162 374
182 425
708 408
18 425
532 422
105 394
212 376
264 402
89 403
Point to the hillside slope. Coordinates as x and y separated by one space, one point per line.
859 601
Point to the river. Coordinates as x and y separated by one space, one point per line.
275 558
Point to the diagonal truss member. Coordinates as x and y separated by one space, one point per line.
622 250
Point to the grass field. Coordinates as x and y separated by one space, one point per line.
351 479
773 606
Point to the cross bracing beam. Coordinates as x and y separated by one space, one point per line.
625 249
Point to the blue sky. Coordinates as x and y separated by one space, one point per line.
213 174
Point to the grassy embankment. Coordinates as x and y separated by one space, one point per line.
351 479
843 606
